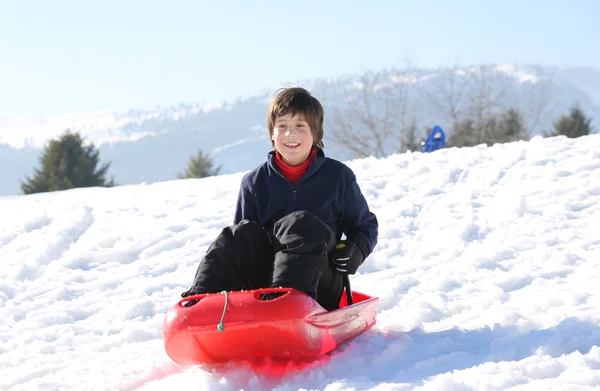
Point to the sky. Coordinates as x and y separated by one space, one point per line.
487 270
73 56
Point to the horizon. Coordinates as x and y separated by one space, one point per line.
113 56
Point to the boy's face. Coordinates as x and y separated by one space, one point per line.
293 138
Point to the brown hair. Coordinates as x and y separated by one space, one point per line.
298 100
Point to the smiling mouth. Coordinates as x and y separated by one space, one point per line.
292 145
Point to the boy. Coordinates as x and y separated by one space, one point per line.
291 212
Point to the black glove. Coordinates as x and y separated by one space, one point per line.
346 257
191 292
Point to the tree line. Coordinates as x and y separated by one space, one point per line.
378 115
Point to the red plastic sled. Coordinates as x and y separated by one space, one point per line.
240 326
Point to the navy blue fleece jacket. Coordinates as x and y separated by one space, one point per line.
328 189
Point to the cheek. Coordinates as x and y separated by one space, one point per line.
308 137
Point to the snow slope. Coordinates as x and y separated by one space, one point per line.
488 267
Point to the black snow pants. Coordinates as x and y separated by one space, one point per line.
245 257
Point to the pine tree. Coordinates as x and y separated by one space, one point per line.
504 127
510 127
199 166
574 125
465 134
66 164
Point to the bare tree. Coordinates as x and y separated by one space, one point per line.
409 137
537 99
376 115
370 116
379 113
473 101
447 93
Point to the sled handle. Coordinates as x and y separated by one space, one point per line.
346 280
348 290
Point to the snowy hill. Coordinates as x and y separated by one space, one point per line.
235 132
488 267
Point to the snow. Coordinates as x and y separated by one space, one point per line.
487 266
99 127
523 75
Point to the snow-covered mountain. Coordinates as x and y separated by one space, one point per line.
153 145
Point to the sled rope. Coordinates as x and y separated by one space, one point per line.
220 325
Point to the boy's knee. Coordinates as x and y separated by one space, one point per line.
302 218
306 224
248 228
236 235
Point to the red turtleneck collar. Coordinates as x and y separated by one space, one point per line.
293 173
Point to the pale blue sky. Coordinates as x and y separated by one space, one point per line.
69 56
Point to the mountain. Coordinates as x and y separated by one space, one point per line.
487 268
153 145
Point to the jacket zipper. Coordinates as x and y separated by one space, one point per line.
288 182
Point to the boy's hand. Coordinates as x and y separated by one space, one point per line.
346 257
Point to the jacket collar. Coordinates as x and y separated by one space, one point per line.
316 163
